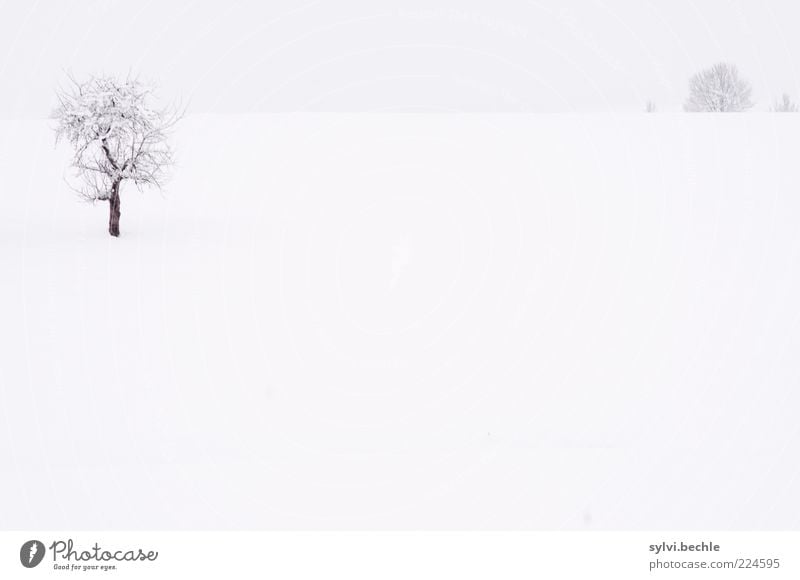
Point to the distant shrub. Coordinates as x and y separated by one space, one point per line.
718 89
784 105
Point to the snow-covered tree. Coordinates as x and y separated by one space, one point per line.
718 89
785 105
117 136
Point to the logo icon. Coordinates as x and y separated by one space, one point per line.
31 553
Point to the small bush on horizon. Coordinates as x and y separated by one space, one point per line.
718 89
784 105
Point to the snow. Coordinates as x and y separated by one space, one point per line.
408 321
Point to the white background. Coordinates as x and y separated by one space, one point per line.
416 55
349 320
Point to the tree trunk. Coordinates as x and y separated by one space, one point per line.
113 210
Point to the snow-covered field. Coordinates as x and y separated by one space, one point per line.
409 321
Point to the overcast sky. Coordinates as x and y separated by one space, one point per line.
446 55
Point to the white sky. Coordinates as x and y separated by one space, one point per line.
448 55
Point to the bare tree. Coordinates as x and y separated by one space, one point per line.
718 89
785 105
650 107
117 136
